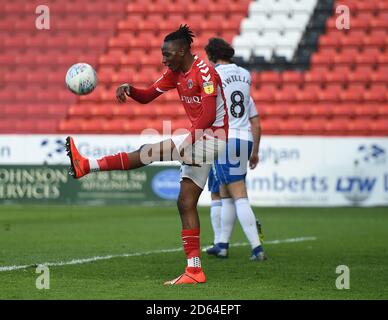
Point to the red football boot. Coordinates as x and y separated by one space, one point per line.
188 278
79 164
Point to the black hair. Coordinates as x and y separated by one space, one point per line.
219 49
183 33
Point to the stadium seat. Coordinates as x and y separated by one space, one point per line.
319 111
365 111
376 94
292 126
382 111
271 126
379 127
314 126
336 127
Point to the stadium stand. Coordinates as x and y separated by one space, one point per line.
308 77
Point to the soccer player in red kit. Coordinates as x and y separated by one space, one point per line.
200 91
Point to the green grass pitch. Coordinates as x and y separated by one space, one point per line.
29 235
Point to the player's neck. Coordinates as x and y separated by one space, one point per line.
187 63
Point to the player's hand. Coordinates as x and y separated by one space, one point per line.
122 91
253 160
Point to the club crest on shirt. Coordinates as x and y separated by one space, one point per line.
190 84
208 87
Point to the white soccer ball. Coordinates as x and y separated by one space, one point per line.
81 78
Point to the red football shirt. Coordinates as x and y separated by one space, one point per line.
200 81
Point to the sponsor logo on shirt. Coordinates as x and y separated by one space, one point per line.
194 99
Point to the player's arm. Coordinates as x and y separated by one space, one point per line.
256 133
140 95
163 84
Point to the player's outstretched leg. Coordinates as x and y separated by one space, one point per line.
81 166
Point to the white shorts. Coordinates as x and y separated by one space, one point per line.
204 151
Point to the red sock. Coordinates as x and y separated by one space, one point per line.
118 161
190 238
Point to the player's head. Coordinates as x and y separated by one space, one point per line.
218 49
176 46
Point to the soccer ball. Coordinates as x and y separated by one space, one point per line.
81 78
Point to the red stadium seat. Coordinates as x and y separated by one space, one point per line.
306 96
368 57
70 126
360 23
271 126
91 126
382 111
379 23
330 40
292 77
358 127
375 40
322 59
314 126
263 96
336 127
360 76
348 58
293 126
354 39
297 111
364 111
379 127
137 7
287 95
328 95
114 126
46 126
320 111
351 96
270 77
376 94
336 77
343 111
273 111
380 76
315 76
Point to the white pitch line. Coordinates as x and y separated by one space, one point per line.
126 255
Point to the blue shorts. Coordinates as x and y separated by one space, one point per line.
232 165
213 184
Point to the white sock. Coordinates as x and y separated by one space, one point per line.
194 262
93 164
228 217
215 216
248 221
